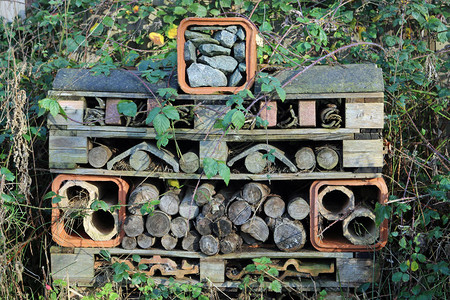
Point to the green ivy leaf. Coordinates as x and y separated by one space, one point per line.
275 286
7 173
161 123
127 108
171 112
108 21
224 172
210 166
396 277
414 266
238 119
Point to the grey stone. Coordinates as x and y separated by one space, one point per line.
240 34
225 38
226 64
352 78
242 67
203 75
189 35
211 50
233 29
239 51
206 28
207 40
235 78
190 55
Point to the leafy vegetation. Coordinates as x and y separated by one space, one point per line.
404 38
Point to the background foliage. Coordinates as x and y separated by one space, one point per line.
103 35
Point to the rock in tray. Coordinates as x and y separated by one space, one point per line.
224 63
212 50
203 75
225 38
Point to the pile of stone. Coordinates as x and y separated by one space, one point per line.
215 56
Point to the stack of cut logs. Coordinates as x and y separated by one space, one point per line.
209 221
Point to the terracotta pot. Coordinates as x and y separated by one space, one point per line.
250 51
65 239
338 243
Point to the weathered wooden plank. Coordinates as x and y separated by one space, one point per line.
356 270
74 110
212 269
66 142
362 153
313 134
255 177
351 78
123 81
73 267
364 115
67 158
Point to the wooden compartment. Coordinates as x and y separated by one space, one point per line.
65 237
334 239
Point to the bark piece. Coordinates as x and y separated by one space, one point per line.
169 242
129 243
191 241
230 243
257 228
158 224
334 202
289 235
140 160
179 227
360 227
239 212
99 156
209 245
305 159
145 240
142 194
254 192
169 203
274 207
215 208
189 162
133 225
298 208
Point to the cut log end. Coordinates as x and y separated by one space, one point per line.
274 207
179 227
222 227
99 156
133 225
129 243
257 228
169 242
298 208
230 243
169 203
140 160
204 194
158 224
289 236
209 245
145 240
255 162
203 225
305 159
191 241
327 158
255 192
239 212
189 163
141 195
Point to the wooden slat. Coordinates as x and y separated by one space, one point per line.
255 177
73 267
67 158
67 142
313 134
222 98
74 110
246 253
212 269
364 115
356 270
362 153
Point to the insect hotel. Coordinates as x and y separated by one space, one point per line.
302 189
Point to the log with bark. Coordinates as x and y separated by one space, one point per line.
209 245
179 227
256 228
222 227
133 225
305 159
145 240
158 224
141 195
191 241
99 156
169 203
298 208
139 160
274 207
188 207
289 235
203 225
189 162
230 243
204 194
215 208
254 192
129 243
239 212
169 242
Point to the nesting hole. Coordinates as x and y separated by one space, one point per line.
103 221
335 201
362 227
